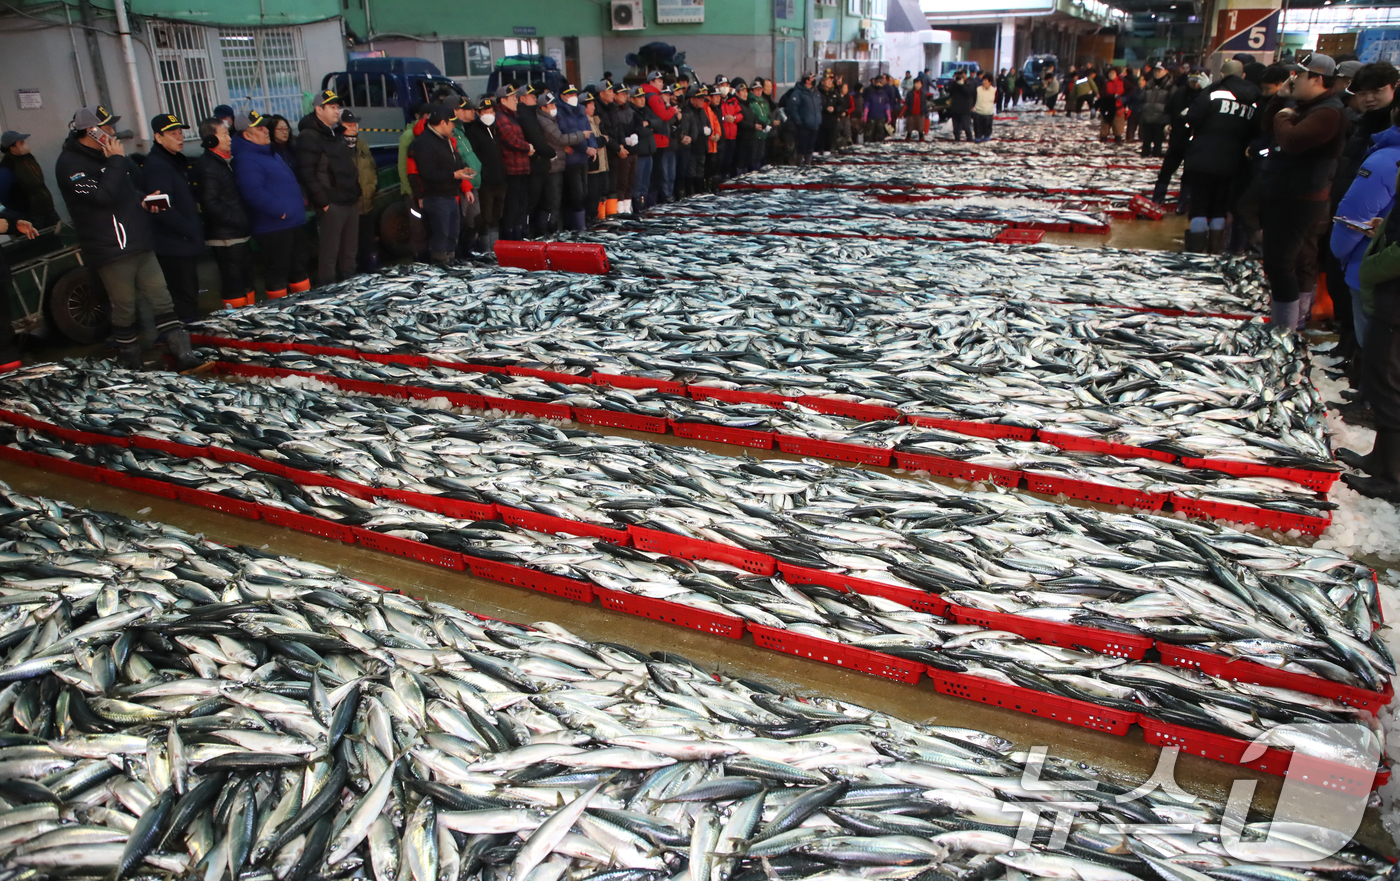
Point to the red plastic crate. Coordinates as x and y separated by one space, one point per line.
333 351
745 437
395 358
548 375
1145 207
919 600
204 339
1319 772
698 549
557 585
836 407
848 656
731 626
1019 236
1319 480
737 396
462 510
577 257
530 408
86 438
235 369
184 451
1094 445
463 399
22 419
619 380
311 478
521 255
414 550
423 393
976 429
308 524
1035 703
537 522
1243 670
1070 636
146 485
18 456
69 467
216 502
935 465
806 446
634 421
1095 492
1250 514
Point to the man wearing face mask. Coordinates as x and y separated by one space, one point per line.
573 123
530 115
661 115
485 139
566 135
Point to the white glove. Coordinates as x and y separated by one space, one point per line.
707 131
630 140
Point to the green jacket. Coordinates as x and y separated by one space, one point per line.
468 156
405 141
758 110
369 175
1380 265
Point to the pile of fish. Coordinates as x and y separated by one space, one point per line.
843 208
1196 387
1190 283
1298 609
175 708
933 230
997 174
1068 143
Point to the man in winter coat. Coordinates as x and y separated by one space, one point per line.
573 123
325 166
662 117
179 235
916 109
803 106
1379 281
439 180
111 212
731 117
642 142
1179 134
226 229
878 112
22 186
563 144
464 112
1308 125
417 232
962 97
369 186
490 185
615 117
1153 117
529 114
276 208
695 140
1369 199
1222 121
516 153
760 119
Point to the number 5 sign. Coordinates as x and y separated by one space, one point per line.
1246 30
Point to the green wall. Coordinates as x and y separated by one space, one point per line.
222 12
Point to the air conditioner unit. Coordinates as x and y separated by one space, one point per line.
627 15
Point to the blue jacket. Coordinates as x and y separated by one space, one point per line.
877 104
269 187
804 107
1372 194
575 119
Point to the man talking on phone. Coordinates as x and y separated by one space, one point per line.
111 209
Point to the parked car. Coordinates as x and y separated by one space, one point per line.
382 92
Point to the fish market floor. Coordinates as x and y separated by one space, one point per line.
1129 758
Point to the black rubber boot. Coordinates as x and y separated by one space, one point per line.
1215 241
129 356
177 341
1195 242
1374 462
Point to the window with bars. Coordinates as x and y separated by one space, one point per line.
267 66
186 77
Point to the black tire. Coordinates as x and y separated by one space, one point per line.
393 228
78 307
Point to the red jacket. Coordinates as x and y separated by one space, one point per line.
515 150
711 145
658 106
730 106
412 164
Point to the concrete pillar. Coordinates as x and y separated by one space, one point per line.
1006 44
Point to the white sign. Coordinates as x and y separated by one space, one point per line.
30 99
680 11
823 29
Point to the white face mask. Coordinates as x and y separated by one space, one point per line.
488 118
724 90
554 111
571 101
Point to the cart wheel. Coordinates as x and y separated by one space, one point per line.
78 307
393 228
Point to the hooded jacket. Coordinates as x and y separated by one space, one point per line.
1371 194
804 106
177 230
1223 121
659 115
216 188
1154 101
269 187
325 164
103 195
560 140
1365 127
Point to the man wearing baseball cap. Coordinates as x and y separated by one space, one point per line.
179 233
1307 124
1221 120
530 115
325 166
22 186
276 207
111 210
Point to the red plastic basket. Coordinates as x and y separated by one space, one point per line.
135 483
620 380
462 510
915 599
745 437
548 375
737 396
577 257
235 369
936 465
1020 236
216 502
1242 670
22 419
20 457
1146 208
86 438
1279 520
333 351
1318 772
522 255
634 421
1070 636
396 358
1025 700
1094 445
806 446
311 478
976 429
537 522
184 451
1319 480
519 576
308 524
828 652
836 407
1095 492
672 613
529 408
697 549
69 467
414 550
464 399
